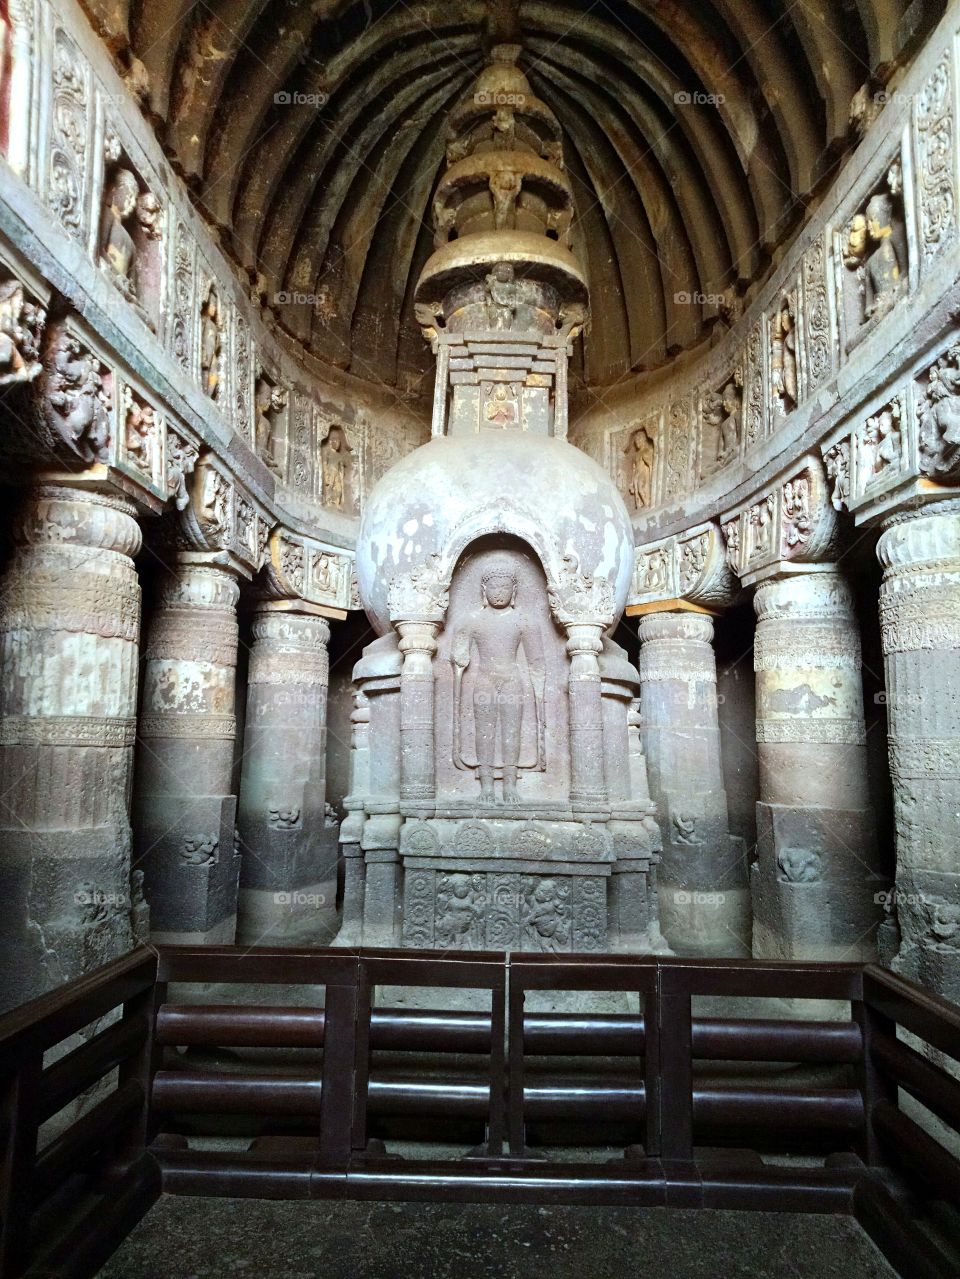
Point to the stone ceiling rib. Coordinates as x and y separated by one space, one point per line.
695 197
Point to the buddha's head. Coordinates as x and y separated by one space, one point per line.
499 588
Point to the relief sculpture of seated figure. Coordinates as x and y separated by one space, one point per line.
496 632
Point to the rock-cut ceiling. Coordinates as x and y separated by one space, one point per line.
695 134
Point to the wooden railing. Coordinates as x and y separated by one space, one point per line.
74 1184
305 1090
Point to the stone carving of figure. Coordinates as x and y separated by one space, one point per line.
118 252
641 468
503 296
505 184
334 471
200 850
496 631
881 442
883 266
459 918
325 573
783 361
761 520
545 920
939 418
75 404
268 400
501 407
729 441
799 865
685 828
210 343
20 326
141 435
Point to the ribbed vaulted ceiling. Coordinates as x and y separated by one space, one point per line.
327 194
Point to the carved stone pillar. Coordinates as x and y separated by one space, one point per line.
185 809
69 630
418 643
288 876
704 895
815 881
920 623
351 828
588 792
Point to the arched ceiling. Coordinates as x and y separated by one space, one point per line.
312 133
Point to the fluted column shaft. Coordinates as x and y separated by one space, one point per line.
920 625
704 897
185 810
289 853
816 878
69 632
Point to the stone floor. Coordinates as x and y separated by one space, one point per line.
233 1238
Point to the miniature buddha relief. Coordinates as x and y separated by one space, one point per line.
339 488
211 341
130 232
269 403
640 458
783 355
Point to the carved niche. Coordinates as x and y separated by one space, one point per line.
785 370
129 240
339 477
270 402
872 248
211 342
500 671
721 422
142 437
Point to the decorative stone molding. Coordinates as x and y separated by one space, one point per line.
792 524
300 568
222 518
689 569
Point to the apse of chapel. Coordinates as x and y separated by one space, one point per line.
695 136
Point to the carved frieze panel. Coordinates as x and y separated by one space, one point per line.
300 443
71 122
678 444
818 329
794 520
691 566
182 269
785 353
754 416
455 909
304 569
935 142
242 367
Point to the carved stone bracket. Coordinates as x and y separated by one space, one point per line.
221 517
300 568
420 595
792 523
901 450
689 570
